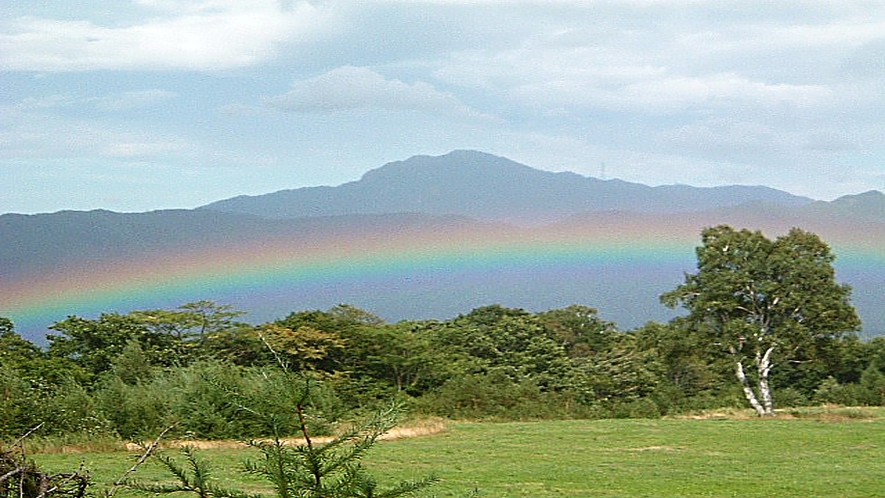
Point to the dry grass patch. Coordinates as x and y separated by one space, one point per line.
825 413
720 414
411 430
662 449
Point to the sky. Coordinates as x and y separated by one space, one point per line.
154 104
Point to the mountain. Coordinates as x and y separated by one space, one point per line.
429 237
487 187
869 206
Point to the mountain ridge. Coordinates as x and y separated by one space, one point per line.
608 255
490 188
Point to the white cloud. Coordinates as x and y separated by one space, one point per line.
207 35
33 131
680 92
132 150
134 100
122 101
350 88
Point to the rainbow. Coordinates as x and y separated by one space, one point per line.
414 274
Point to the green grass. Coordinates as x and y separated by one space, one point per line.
808 455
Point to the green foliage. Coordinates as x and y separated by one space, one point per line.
831 392
194 477
134 375
304 348
508 341
494 396
15 352
759 298
338 319
784 289
400 359
69 408
578 328
133 365
689 366
197 320
63 408
791 397
135 411
873 383
203 400
19 404
312 469
329 470
93 344
166 338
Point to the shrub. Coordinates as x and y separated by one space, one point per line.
788 397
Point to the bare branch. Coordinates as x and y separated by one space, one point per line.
147 453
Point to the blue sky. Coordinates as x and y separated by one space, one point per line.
152 104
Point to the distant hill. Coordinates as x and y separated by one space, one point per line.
868 206
429 237
491 188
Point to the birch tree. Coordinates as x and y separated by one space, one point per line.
762 301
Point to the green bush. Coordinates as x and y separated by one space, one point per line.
831 392
788 397
71 409
872 380
19 405
640 408
207 400
496 396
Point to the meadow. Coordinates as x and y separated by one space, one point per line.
812 453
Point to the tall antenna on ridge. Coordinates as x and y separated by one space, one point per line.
602 170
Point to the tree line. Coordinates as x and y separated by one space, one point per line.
766 324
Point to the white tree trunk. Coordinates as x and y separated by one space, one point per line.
748 390
764 366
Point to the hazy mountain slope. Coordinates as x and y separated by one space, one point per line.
44 243
488 187
868 206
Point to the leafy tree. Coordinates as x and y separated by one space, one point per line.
401 356
507 340
691 372
304 348
20 404
132 366
579 329
94 344
191 327
166 338
335 327
207 317
762 300
338 319
15 351
621 373
873 383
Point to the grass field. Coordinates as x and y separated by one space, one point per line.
824 455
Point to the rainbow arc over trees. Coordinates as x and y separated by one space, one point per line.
413 274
